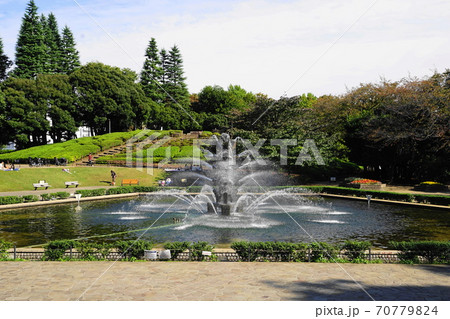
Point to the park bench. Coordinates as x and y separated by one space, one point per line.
130 182
73 183
41 184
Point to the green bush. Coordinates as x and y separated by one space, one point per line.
354 250
30 198
6 200
430 251
133 248
320 251
55 250
198 247
120 190
91 192
93 251
45 197
177 247
4 246
281 251
60 195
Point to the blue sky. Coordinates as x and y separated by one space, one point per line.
273 47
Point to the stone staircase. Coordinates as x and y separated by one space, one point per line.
112 151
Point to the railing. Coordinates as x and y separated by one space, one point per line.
385 257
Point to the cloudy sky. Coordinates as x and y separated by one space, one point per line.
274 47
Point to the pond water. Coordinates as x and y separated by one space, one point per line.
326 220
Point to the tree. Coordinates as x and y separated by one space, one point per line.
106 93
26 121
53 44
176 88
5 63
30 47
57 93
70 59
151 73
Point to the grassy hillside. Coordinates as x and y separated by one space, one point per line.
78 148
86 176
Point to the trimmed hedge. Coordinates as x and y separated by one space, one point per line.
6 200
428 250
402 197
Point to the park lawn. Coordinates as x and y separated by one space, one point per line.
86 176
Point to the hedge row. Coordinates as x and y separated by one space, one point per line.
419 251
116 190
129 249
6 200
402 197
354 251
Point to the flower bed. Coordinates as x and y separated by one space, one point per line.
431 187
363 183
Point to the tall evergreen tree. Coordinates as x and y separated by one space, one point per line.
5 62
70 58
176 87
152 73
30 47
164 57
53 45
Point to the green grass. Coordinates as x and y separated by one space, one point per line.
76 149
86 176
156 155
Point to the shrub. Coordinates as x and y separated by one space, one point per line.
354 250
30 198
120 190
133 248
87 250
93 251
430 251
320 251
91 192
177 247
281 251
46 196
198 247
55 250
60 195
4 246
6 200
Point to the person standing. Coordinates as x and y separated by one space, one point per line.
113 177
90 159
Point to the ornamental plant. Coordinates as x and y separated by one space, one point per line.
365 181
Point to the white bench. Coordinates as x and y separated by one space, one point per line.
41 184
74 183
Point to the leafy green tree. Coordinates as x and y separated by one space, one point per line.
26 121
220 108
152 73
30 47
5 62
57 93
106 93
70 59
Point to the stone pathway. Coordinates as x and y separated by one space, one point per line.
176 281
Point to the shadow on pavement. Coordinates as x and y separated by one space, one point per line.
347 290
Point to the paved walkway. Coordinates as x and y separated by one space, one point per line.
221 281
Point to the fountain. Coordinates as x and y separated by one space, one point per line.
226 179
